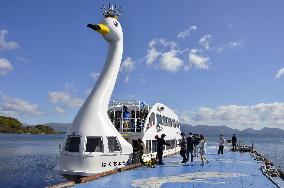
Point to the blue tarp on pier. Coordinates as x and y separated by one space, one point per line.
232 169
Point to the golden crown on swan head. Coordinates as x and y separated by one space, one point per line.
112 11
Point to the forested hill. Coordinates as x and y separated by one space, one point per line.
12 125
217 130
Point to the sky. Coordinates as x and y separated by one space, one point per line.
212 62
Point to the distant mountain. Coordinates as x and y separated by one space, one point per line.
59 127
217 130
249 131
271 131
208 130
204 129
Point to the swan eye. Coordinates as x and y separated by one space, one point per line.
115 23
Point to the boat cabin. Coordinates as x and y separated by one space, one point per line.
136 119
133 116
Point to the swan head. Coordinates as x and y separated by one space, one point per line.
109 28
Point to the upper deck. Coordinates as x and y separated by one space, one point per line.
137 117
230 170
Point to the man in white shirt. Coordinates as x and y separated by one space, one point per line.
221 144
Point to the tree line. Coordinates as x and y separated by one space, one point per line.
12 125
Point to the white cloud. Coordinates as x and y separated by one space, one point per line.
128 65
255 116
5 67
59 110
230 45
69 87
199 61
152 55
126 79
95 75
227 21
4 44
167 57
187 32
184 117
280 73
205 41
15 106
65 98
170 62
166 54
152 43
166 43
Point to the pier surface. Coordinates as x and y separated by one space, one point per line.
232 169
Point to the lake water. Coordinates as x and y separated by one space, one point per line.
28 160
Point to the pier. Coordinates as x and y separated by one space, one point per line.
232 169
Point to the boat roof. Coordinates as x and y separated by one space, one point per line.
233 169
122 103
133 104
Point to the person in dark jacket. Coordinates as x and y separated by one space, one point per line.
190 147
141 150
160 147
183 148
234 142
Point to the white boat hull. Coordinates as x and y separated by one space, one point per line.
88 165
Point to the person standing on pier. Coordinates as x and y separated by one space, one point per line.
196 143
202 145
234 142
160 148
141 150
190 147
183 148
221 144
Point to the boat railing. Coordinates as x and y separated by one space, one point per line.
129 124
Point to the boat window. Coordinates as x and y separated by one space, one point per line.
148 146
168 142
113 144
176 126
179 141
173 144
111 115
154 145
151 120
164 120
94 144
72 143
174 123
169 122
159 119
144 113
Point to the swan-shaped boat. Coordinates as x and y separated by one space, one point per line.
96 142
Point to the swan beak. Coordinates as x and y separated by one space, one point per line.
100 28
